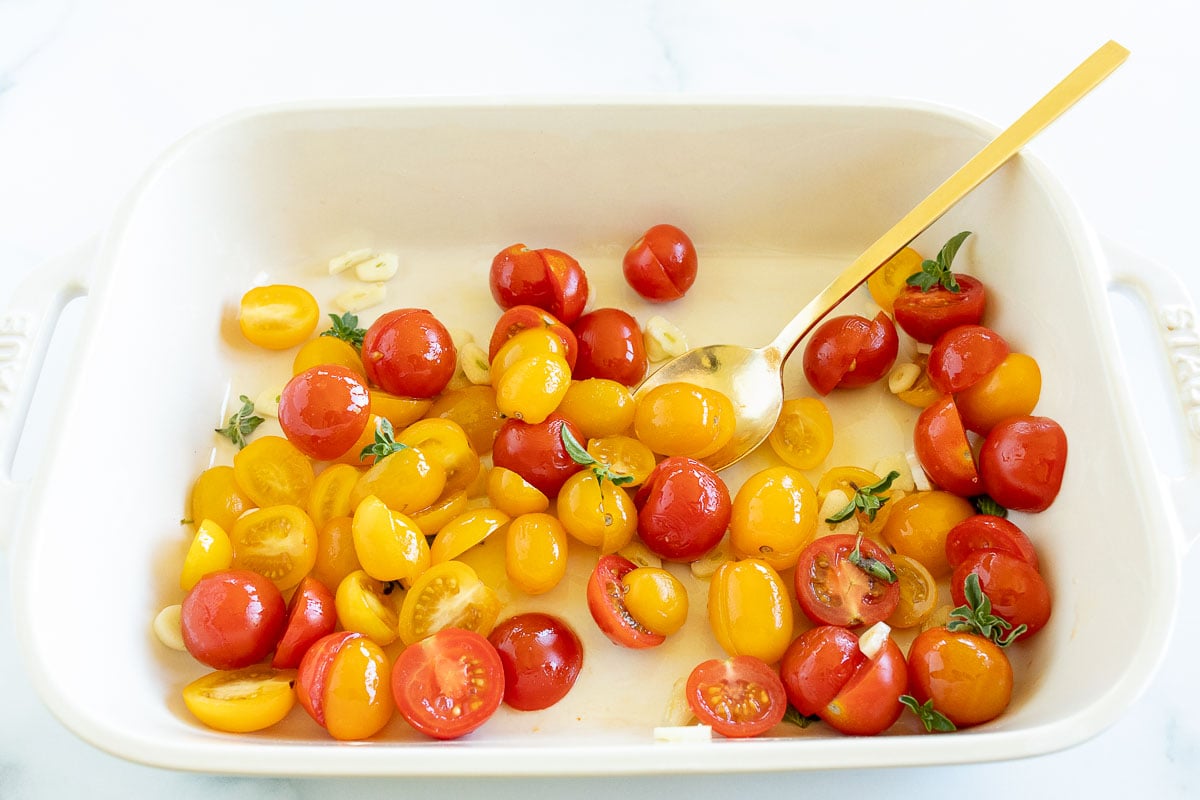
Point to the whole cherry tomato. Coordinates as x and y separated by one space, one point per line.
343 685
545 278
834 590
232 618
311 614
739 696
817 664
661 265
926 315
448 684
541 657
323 410
610 346
963 356
1011 389
409 352
987 532
919 524
683 509
941 444
869 703
1017 592
850 351
606 602
1022 462
520 318
968 678
536 452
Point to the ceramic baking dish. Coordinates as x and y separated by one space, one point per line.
778 196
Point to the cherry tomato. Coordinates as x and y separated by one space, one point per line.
803 434
1016 590
514 495
400 411
869 703
343 684
596 511
536 452
474 409
599 407
817 664
682 419
448 684
606 602
610 346
986 532
210 551
241 701
625 456
406 481
330 495
545 278
661 265
1022 462
739 696
368 606
311 615
1011 389
532 388
656 599
887 282
962 356
524 317
231 619
850 351
683 509
941 444
325 350
278 316
389 545
272 471
335 552
278 542
749 610
918 592
408 352
444 442
465 531
541 657
920 523
323 411
535 552
927 315
774 515
834 591
217 496
968 678
447 595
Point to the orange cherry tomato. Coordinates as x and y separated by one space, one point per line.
968 678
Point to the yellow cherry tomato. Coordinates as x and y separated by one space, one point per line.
1011 389
465 531
272 471
682 419
405 481
655 599
388 544
623 455
278 542
358 692
328 350
210 551
918 593
448 595
330 493
597 512
279 316
774 517
217 496
514 495
368 606
487 559
335 552
243 700
535 552
474 408
531 389
525 344
887 282
749 610
599 407
919 523
803 434
433 518
400 411
444 442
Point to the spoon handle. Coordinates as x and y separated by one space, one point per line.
1082 80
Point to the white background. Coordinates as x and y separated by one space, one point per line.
92 92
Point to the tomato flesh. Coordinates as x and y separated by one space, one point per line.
606 602
833 591
449 684
739 696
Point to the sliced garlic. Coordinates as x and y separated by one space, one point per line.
362 297
379 267
920 479
460 337
924 348
896 463
903 377
678 713
704 567
834 502
168 627
683 733
347 260
473 361
640 555
663 339
267 402
874 639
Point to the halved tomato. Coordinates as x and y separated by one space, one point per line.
833 590
279 542
941 444
243 700
739 696
605 599
448 595
448 684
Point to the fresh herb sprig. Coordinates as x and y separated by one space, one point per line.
930 717
385 442
794 717
984 504
937 272
242 423
346 328
585 459
975 616
872 566
866 499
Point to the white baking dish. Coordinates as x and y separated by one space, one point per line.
777 196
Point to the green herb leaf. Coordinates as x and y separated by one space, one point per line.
976 616
931 718
241 424
986 505
346 328
866 499
585 459
385 442
794 717
938 272
872 566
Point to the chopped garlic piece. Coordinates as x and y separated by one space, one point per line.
683 733
379 267
362 297
920 479
663 339
704 567
168 627
640 555
678 712
834 502
896 463
347 260
460 337
473 361
267 402
874 639
903 377
924 348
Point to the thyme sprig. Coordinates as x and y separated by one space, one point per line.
242 423
385 442
346 328
975 616
936 272
866 499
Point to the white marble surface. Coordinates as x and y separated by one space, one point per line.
84 112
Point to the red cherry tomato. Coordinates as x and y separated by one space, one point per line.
661 265
541 656
1022 461
519 318
610 346
927 315
545 278
850 351
324 410
536 452
311 615
968 678
683 509
739 696
986 532
834 591
343 684
605 599
448 684
232 618
963 356
869 703
817 664
941 444
1016 590
409 353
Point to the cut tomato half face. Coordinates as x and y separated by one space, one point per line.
834 590
606 601
739 697
449 684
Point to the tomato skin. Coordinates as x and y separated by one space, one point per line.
963 356
610 346
545 278
869 703
524 317
986 532
849 352
833 591
278 316
1017 591
536 452
408 352
941 444
927 315
919 524
310 615
817 664
1022 462
232 618
241 701
683 509
968 677
323 411
739 696
343 684
448 684
541 657
605 594
1011 389
661 265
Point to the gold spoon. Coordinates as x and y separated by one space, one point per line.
753 377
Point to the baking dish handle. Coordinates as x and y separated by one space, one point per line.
1177 325
26 328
